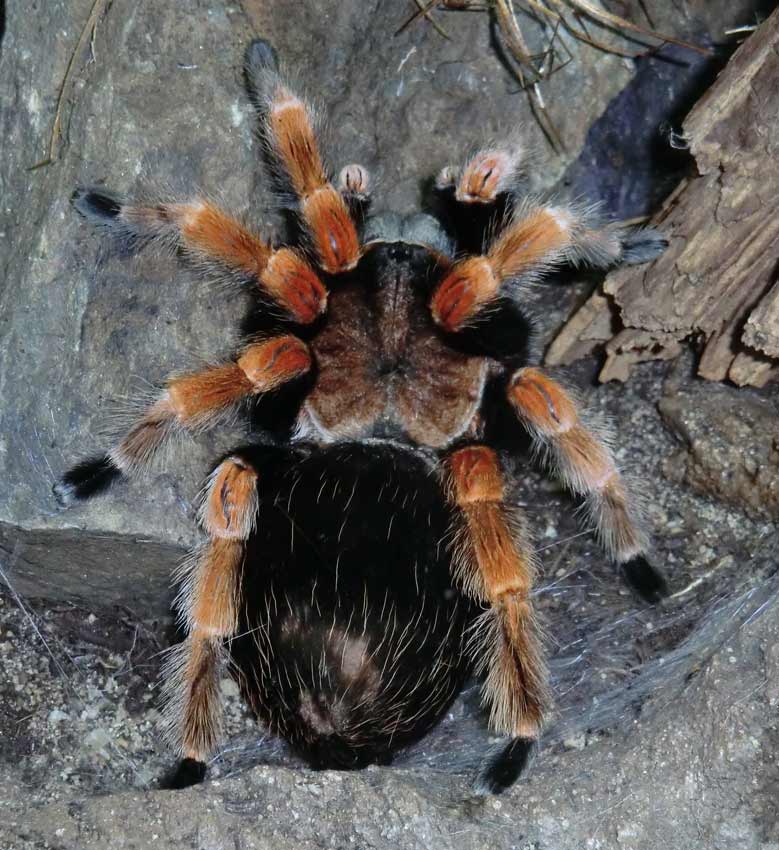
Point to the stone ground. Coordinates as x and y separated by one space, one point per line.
665 733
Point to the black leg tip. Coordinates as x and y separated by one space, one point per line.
648 582
260 56
642 246
99 207
188 772
503 768
85 480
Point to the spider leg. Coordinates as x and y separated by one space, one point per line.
190 402
208 605
288 129
494 564
536 239
587 466
212 238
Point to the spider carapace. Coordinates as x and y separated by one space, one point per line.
360 567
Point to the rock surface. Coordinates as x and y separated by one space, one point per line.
730 445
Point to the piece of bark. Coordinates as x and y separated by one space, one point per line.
718 279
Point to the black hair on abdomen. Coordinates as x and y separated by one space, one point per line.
352 640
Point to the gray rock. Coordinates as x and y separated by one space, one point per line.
730 446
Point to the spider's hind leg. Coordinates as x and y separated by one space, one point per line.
208 604
494 564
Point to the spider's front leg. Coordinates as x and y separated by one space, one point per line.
214 239
190 402
208 605
494 564
536 239
288 128
587 466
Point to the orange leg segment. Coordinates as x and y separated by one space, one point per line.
208 603
211 235
532 243
494 564
196 400
290 133
583 461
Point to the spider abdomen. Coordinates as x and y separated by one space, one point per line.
351 641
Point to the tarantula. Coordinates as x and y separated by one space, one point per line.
363 553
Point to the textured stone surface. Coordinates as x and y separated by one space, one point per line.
730 446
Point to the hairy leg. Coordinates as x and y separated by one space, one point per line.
214 239
190 402
288 128
536 239
494 564
208 604
586 465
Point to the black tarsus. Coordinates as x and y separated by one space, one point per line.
96 206
648 582
261 55
642 245
259 59
86 479
503 767
188 772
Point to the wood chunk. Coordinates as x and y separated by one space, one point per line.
717 282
